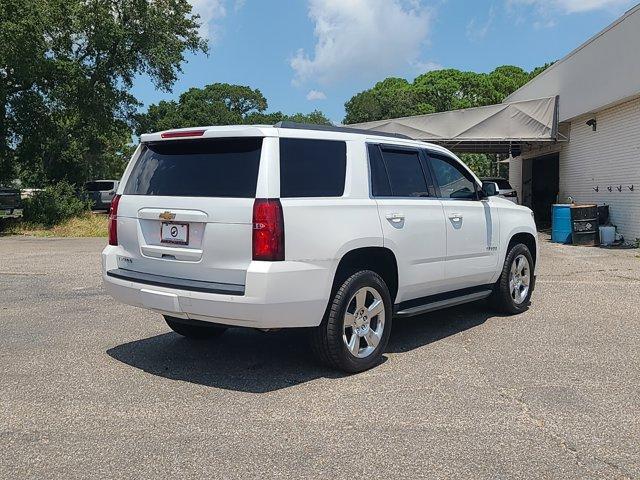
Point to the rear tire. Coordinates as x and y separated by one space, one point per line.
194 329
356 327
512 292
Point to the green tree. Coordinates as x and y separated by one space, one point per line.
538 70
507 79
435 91
217 104
450 89
316 118
390 98
66 68
484 165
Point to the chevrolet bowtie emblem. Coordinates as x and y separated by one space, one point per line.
167 216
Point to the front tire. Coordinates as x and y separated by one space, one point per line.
356 327
194 329
512 291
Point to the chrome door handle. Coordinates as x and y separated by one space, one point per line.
456 217
395 217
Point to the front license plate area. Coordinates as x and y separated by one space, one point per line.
174 233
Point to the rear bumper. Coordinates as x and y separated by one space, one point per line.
176 283
276 294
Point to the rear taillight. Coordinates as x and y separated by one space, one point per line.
113 220
268 230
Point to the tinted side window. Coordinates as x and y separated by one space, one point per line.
379 181
312 168
197 168
405 173
452 180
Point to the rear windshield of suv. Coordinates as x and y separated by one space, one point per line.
197 168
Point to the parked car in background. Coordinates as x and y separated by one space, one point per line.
505 190
333 229
10 204
101 192
29 192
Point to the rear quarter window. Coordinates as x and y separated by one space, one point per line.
197 168
312 168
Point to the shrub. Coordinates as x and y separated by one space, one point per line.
54 204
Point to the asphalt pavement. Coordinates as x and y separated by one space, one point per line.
90 388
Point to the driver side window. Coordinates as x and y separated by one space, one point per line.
454 182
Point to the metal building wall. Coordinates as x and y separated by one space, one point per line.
608 157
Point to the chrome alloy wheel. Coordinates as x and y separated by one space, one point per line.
363 322
519 279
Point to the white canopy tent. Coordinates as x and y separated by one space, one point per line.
500 128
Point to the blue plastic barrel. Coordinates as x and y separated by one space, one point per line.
561 223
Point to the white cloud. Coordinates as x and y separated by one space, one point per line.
424 67
478 30
574 6
545 23
209 11
544 13
363 38
316 95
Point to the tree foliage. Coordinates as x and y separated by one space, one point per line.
435 91
54 204
218 104
66 68
485 165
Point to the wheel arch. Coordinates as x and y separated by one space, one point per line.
529 240
376 258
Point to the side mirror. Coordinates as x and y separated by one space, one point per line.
490 189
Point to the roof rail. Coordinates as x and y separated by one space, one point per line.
331 128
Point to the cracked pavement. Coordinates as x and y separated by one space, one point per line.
94 389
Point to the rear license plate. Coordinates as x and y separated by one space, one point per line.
176 233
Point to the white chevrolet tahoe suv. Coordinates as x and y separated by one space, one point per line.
334 229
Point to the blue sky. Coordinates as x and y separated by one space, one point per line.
315 54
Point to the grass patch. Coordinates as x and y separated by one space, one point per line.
87 225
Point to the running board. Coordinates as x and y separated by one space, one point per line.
449 302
